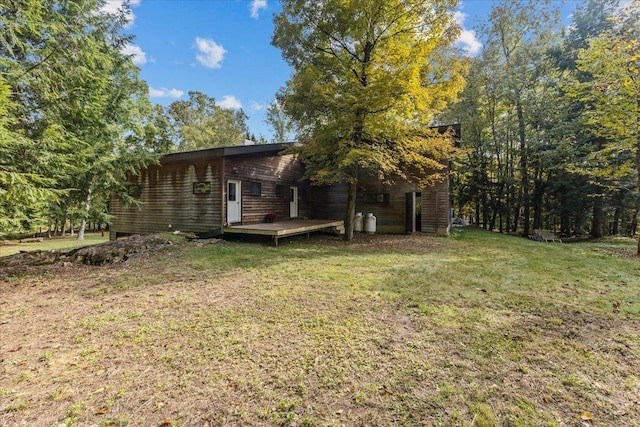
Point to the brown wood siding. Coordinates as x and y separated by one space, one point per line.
435 209
330 202
167 198
391 216
269 170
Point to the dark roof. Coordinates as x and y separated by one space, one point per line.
457 128
224 152
259 148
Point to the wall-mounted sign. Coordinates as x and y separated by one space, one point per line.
202 187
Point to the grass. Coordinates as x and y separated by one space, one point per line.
11 247
478 329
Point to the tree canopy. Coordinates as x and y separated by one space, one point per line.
550 121
74 110
612 99
200 122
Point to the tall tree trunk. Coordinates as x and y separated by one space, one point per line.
351 209
635 219
507 210
83 223
598 217
485 207
538 197
615 226
516 209
524 172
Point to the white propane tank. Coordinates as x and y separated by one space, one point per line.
370 223
357 222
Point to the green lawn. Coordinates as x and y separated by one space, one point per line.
478 329
54 244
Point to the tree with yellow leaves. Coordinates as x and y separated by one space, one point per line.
369 78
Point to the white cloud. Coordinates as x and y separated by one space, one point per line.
211 53
112 7
230 102
136 53
256 6
256 106
470 43
165 93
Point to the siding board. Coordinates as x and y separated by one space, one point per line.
330 202
270 170
167 196
167 200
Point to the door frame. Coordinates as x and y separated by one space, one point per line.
413 211
294 205
237 202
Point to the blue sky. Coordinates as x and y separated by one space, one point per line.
222 48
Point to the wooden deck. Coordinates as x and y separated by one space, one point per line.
286 228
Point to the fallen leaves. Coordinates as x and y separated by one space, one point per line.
586 418
102 410
616 306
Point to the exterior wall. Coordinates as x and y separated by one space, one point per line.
167 195
270 170
168 201
330 202
435 209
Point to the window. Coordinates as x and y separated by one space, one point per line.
376 198
256 189
202 187
134 190
280 190
231 191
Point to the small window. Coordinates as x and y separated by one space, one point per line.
134 190
376 198
231 191
280 190
256 189
202 187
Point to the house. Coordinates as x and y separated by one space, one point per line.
221 190
399 207
205 190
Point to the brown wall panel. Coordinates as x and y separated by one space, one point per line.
330 202
270 170
167 200
167 196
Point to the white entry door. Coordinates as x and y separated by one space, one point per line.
293 202
234 201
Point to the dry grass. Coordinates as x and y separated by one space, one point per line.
475 330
